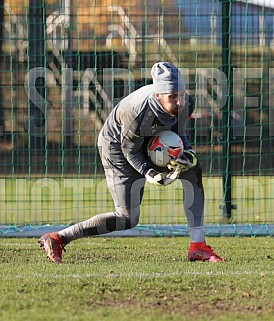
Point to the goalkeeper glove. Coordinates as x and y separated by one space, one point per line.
162 179
185 162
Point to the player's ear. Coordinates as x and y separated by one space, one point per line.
158 96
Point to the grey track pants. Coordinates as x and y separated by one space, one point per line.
126 187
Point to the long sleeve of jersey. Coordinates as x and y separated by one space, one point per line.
132 142
180 127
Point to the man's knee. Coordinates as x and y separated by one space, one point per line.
129 217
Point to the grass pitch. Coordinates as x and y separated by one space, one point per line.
137 279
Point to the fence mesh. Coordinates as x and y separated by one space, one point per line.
64 66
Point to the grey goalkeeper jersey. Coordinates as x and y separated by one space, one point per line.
132 122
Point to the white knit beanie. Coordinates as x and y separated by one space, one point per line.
167 78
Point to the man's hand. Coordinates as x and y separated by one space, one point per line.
162 179
185 162
154 177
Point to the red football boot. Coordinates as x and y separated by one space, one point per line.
53 245
200 251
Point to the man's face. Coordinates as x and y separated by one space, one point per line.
172 102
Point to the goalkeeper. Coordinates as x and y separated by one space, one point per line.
145 112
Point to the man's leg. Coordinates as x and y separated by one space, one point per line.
127 194
194 202
194 210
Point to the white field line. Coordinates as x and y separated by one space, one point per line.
139 274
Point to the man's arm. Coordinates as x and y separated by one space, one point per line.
132 142
183 119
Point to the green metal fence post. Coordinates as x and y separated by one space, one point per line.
226 118
2 114
37 58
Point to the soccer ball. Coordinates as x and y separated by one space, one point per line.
164 147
